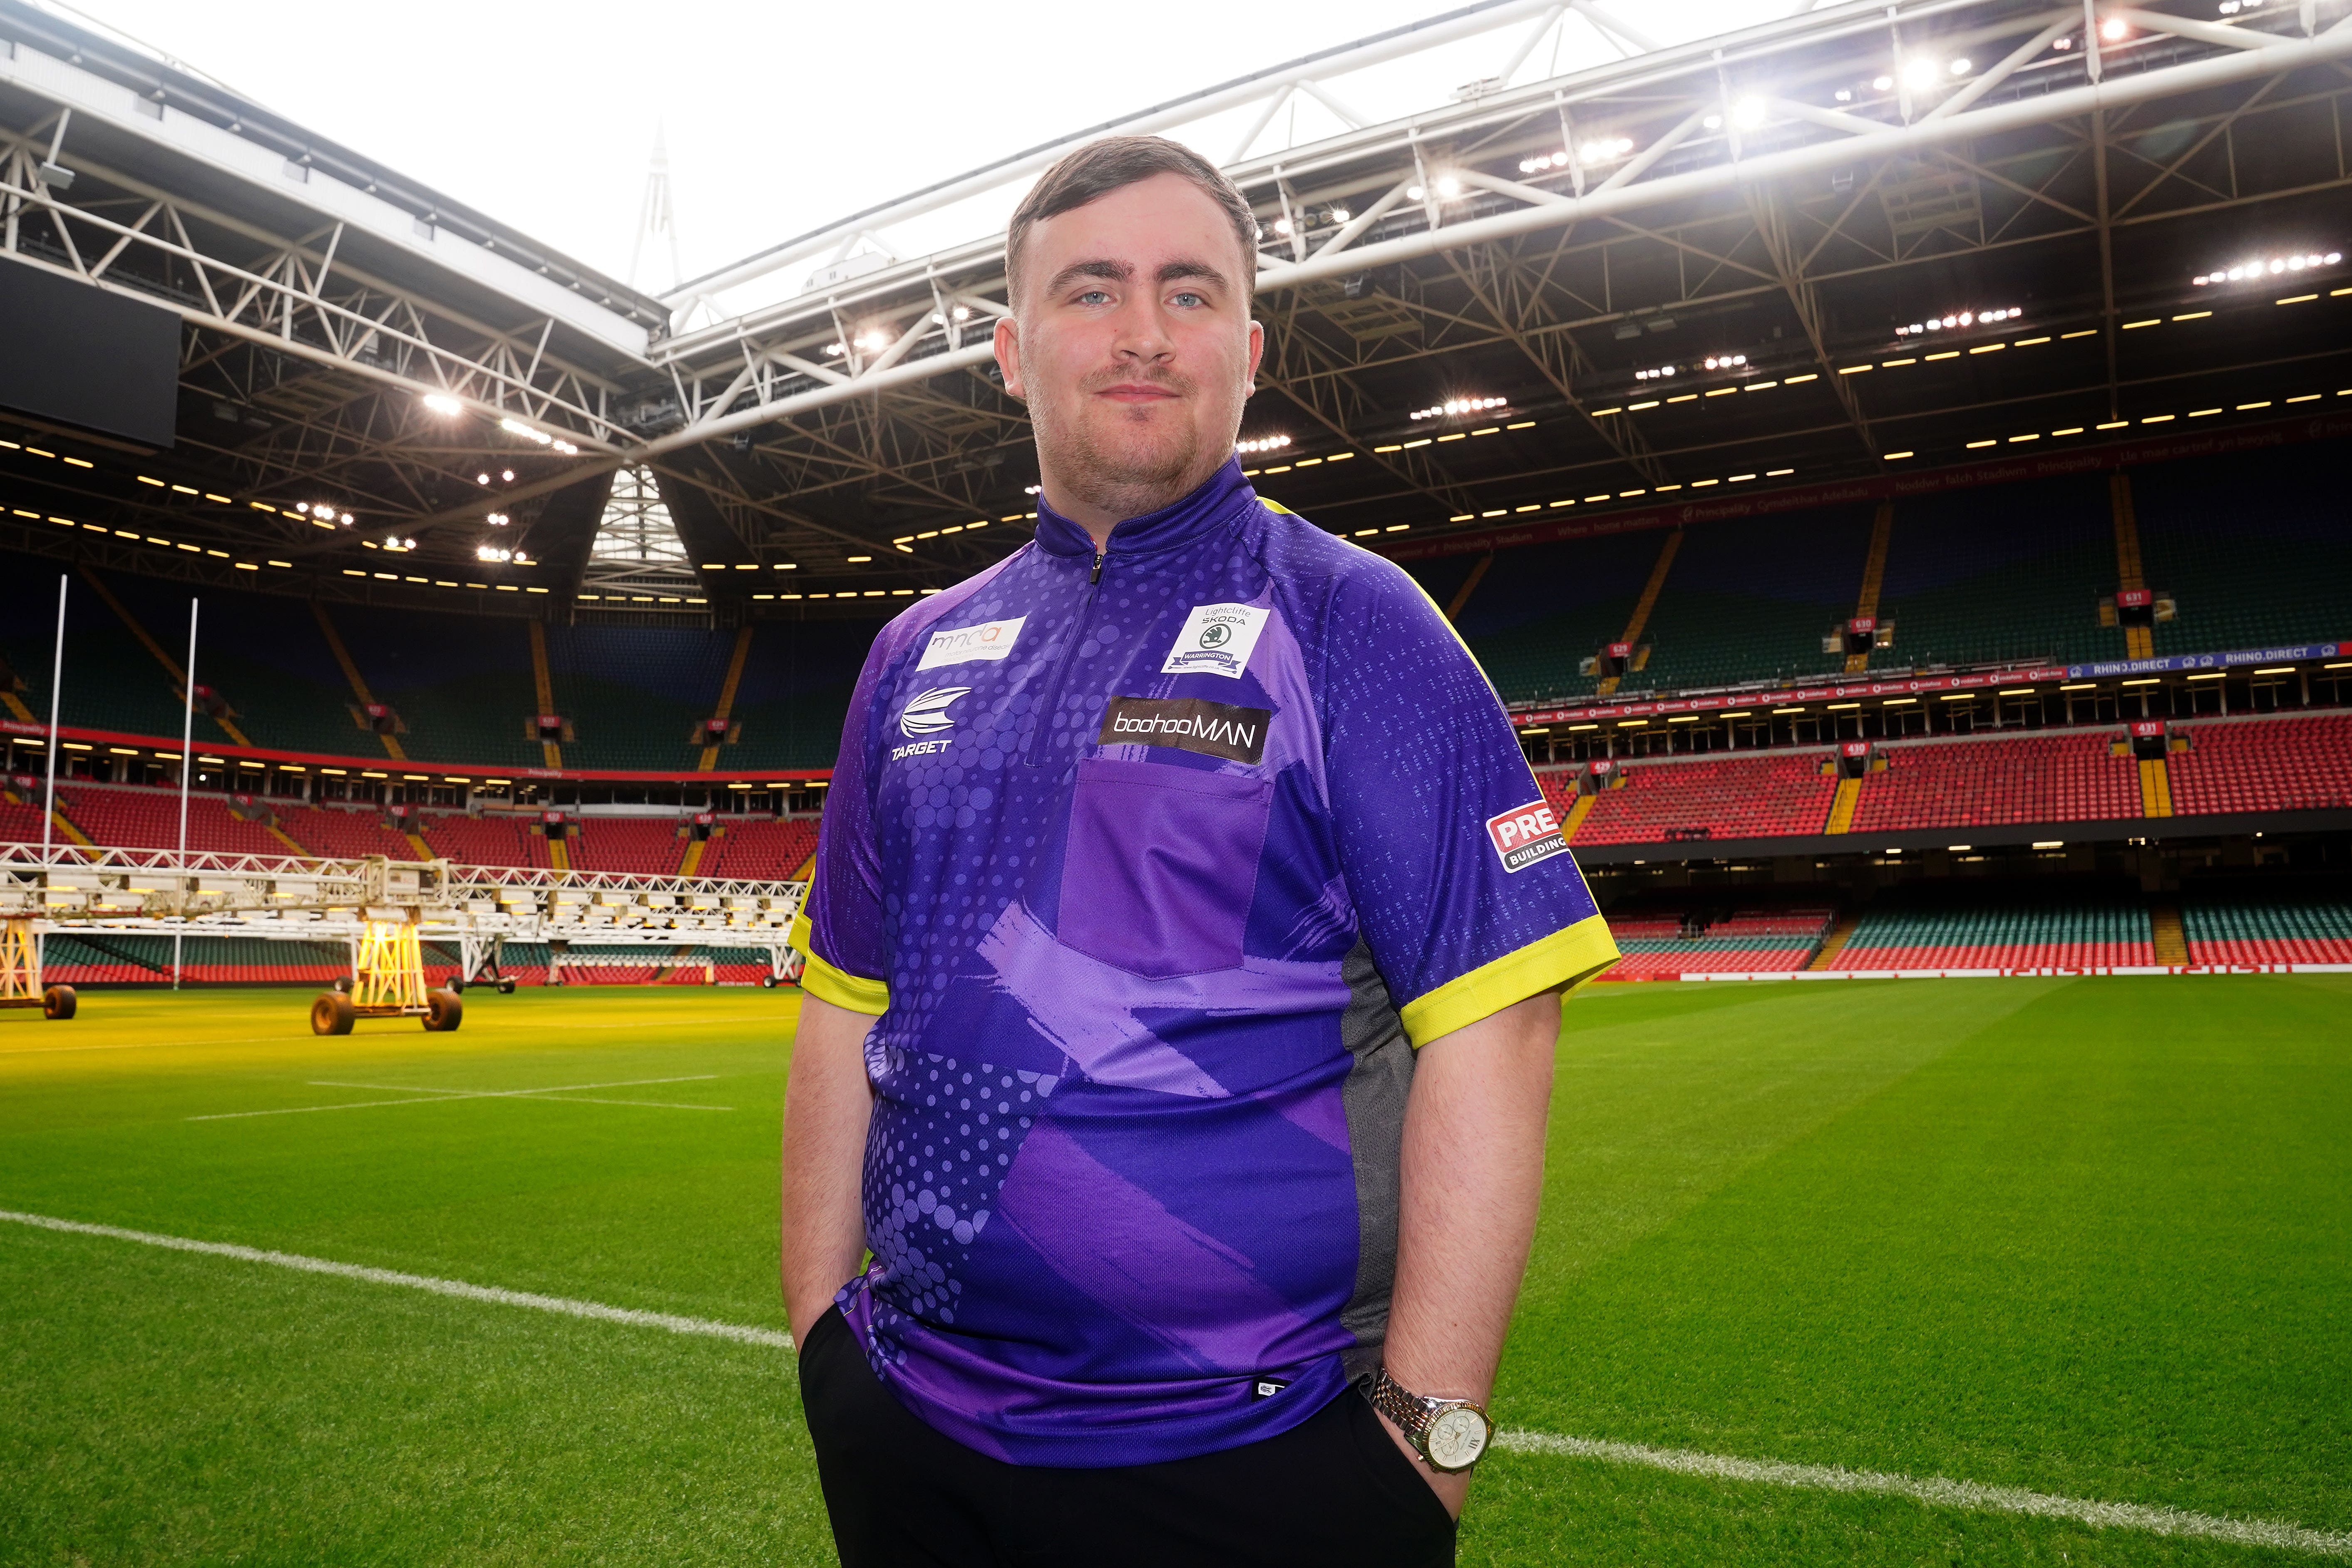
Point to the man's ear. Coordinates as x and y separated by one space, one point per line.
1256 353
1008 355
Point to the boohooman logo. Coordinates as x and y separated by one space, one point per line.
1526 834
928 714
1187 723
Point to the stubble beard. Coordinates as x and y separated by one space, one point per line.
1126 478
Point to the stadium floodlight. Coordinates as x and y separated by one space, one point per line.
498 519
1749 112
1263 444
1656 373
1453 406
492 553
2269 266
1959 319
443 403
1340 215
507 474
1920 72
1961 67
1882 84
1726 362
2114 29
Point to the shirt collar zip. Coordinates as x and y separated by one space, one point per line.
1218 501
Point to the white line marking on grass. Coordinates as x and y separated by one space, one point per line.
668 1321
443 1095
300 1034
1946 1493
1934 1490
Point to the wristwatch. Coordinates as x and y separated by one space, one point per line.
1450 1434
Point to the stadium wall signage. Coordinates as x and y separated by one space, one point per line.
1893 486
1969 681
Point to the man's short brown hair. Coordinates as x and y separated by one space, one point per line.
1101 167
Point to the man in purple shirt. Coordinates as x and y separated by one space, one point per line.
1182 972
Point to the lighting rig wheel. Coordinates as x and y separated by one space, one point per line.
331 1013
444 1010
457 986
342 986
506 987
58 1002
767 981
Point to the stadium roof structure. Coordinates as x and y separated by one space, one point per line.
1857 236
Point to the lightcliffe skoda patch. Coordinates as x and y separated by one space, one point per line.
1188 724
1217 639
1526 834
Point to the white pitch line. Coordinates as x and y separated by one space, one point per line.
443 1095
1971 1495
295 1035
668 1321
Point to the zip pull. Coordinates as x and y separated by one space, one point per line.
1095 575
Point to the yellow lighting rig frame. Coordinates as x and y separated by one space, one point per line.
20 974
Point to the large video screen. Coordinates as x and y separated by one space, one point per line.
83 355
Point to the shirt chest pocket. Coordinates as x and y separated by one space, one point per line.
1161 865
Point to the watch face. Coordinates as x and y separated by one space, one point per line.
1457 1437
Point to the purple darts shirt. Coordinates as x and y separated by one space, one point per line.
1154 868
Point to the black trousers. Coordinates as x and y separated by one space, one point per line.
1333 1490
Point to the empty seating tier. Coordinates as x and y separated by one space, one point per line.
1664 946
641 846
484 840
1967 783
128 817
1956 929
1738 797
2263 764
338 833
759 849
2253 930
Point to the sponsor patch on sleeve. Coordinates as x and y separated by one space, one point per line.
1188 723
1217 639
963 645
1526 834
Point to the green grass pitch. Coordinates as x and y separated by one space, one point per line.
2091 1237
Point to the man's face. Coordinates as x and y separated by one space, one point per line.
1133 347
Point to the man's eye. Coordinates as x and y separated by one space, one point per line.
1094 297
1188 300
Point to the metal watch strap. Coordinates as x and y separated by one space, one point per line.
1408 1410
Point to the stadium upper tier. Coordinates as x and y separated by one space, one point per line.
453 688
2247 549
2239 551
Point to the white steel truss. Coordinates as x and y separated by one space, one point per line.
70 202
1698 122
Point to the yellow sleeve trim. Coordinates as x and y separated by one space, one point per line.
827 984
1561 962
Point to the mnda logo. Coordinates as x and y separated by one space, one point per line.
928 714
